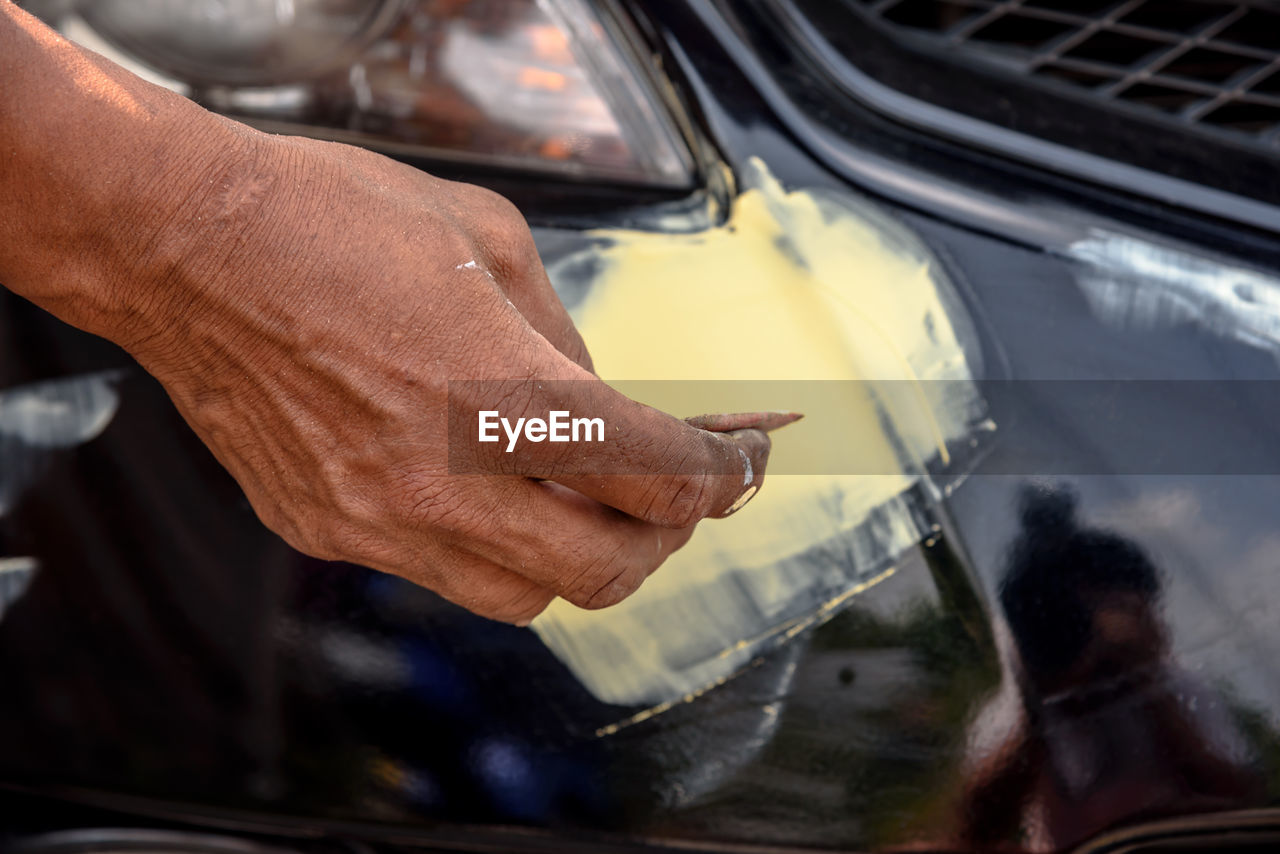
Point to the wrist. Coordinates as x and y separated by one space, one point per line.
106 184
179 227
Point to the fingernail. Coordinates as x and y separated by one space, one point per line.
726 423
741 502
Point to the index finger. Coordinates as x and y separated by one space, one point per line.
632 457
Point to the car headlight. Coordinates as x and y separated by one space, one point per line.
241 42
549 85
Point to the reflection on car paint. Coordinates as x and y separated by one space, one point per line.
1138 285
794 286
15 577
36 419
46 416
1107 724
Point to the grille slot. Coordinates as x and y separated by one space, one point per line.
1210 64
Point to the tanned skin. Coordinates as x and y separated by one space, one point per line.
306 304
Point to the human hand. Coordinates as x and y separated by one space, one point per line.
306 306
307 313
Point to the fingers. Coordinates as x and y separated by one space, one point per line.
481 586
541 306
726 422
696 474
562 541
519 543
634 458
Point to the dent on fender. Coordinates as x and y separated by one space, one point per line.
795 286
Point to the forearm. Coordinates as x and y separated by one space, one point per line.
103 180
307 306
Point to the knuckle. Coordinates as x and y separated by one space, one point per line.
613 591
507 238
518 605
354 543
679 501
455 244
576 349
298 522
606 579
351 506
498 209
297 534
323 544
334 534
345 522
318 538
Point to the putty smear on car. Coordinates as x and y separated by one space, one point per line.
803 301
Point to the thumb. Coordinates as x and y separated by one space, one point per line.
627 455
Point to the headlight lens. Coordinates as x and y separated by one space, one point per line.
548 85
238 42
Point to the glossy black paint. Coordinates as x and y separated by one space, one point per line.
1075 120
1072 655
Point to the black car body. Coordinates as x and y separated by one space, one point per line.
1079 650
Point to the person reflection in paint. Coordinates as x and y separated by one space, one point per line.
1108 727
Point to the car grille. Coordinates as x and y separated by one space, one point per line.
1123 94
1215 65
